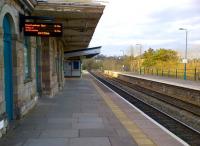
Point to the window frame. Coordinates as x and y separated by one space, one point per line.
76 65
27 59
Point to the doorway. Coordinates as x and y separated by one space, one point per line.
8 75
38 70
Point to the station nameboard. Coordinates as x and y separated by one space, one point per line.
43 29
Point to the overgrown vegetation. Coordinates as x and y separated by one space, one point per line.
162 61
160 58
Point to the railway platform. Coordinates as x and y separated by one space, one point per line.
195 85
87 113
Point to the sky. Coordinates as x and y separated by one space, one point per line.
152 23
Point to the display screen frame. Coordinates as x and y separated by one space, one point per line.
43 29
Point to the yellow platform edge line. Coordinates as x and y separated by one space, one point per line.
137 134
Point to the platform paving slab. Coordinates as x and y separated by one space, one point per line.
168 80
78 116
69 133
47 142
90 141
97 132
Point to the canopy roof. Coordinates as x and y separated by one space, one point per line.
79 20
82 53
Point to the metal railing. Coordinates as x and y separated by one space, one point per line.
191 74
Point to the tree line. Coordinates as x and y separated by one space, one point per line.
159 58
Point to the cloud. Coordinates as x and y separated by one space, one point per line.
153 23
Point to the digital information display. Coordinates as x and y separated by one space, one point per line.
43 29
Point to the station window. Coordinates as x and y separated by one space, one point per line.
27 58
76 64
54 58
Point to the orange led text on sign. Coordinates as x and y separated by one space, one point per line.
42 29
43 33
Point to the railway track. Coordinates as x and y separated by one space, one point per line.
191 108
180 110
188 134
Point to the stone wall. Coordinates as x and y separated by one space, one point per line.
61 79
184 94
53 65
26 89
45 68
24 93
52 72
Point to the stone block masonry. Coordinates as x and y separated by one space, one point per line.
25 90
182 93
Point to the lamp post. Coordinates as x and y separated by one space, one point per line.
185 59
122 52
131 58
140 49
140 55
122 59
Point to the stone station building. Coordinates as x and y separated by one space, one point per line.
31 67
